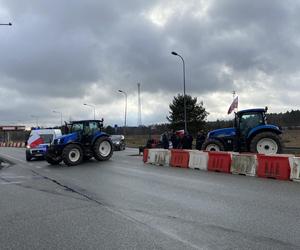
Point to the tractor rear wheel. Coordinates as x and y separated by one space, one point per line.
213 145
72 155
266 143
103 149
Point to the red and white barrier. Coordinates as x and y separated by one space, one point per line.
159 156
274 166
162 157
179 158
145 155
219 161
13 144
198 160
281 167
295 169
245 164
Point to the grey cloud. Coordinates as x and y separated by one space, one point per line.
64 48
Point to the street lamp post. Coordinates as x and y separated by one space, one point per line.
125 94
184 97
58 112
92 106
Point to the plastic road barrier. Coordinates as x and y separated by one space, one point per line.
162 157
145 155
295 169
219 161
244 164
158 156
151 155
198 159
179 158
274 166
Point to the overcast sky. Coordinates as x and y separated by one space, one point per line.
60 54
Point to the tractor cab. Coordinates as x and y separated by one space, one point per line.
250 133
246 120
84 126
87 129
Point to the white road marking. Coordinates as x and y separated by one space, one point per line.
13 182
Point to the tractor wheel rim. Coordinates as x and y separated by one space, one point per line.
212 147
74 155
105 148
267 146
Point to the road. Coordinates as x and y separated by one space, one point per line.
125 204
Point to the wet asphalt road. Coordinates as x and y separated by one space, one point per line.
124 204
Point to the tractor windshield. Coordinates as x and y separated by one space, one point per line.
249 121
77 127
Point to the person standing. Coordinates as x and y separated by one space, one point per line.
185 141
174 140
190 141
200 140
165 141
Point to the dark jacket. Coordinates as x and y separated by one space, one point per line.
200 140
174 140
165 141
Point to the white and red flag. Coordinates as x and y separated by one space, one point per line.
234 105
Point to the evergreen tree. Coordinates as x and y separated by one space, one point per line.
195 114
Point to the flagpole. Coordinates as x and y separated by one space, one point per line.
233 97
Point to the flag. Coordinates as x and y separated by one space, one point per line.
234 105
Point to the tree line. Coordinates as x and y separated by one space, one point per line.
197 119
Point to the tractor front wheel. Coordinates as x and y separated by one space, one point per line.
51 159
212 145
103 149
72 155
266 143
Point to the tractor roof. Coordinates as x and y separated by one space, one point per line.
252 110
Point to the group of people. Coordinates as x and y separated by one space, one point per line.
182 141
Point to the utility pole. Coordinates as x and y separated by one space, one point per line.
125 120
139 105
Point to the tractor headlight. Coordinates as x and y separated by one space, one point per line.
58 141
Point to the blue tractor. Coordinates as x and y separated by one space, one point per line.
250 133
83 141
